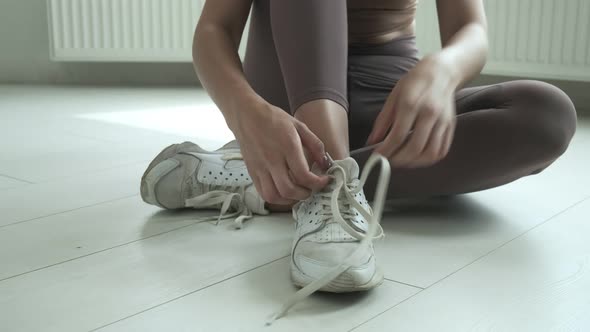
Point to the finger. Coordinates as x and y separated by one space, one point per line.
256 179
448 141
313 144
383 121
417 141
269 192
404 121
258 185
287 189
381 126
303 176
299 167
431 153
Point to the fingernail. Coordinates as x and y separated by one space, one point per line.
327 161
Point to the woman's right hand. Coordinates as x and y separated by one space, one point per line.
272 144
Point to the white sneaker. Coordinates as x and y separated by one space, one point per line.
324 237
332 249
187 176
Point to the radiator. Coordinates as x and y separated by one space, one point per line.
529 38
122 30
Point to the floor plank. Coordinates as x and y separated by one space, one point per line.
43 199
245 302
69 235
79 250
538 282
95 158
73 131
99 289
9 182
430 239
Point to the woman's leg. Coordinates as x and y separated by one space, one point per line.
261 64
504 132
311 43
301 68
296 59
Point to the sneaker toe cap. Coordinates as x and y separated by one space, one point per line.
317 259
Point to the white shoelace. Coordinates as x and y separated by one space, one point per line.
217 195
341 209
373 219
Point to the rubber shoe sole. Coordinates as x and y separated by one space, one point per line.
341 284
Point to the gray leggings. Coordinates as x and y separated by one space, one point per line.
298 52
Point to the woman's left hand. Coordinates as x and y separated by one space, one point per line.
417 122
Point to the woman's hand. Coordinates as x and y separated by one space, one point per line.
272 144
417 122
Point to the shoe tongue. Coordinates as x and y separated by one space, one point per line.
350 166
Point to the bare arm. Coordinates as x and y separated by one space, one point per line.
215 55
463 33
274 156
418 120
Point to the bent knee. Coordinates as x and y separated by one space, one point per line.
552 116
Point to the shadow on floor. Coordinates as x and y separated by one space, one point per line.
438 217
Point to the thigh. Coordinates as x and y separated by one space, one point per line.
504 132
373 71
368 88
371 78
261 65
535 106
481 98
527 109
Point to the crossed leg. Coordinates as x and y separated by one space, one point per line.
298 58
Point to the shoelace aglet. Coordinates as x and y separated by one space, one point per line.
274 317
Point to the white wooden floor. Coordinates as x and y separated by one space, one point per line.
79 251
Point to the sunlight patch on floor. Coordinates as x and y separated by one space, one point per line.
196 120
